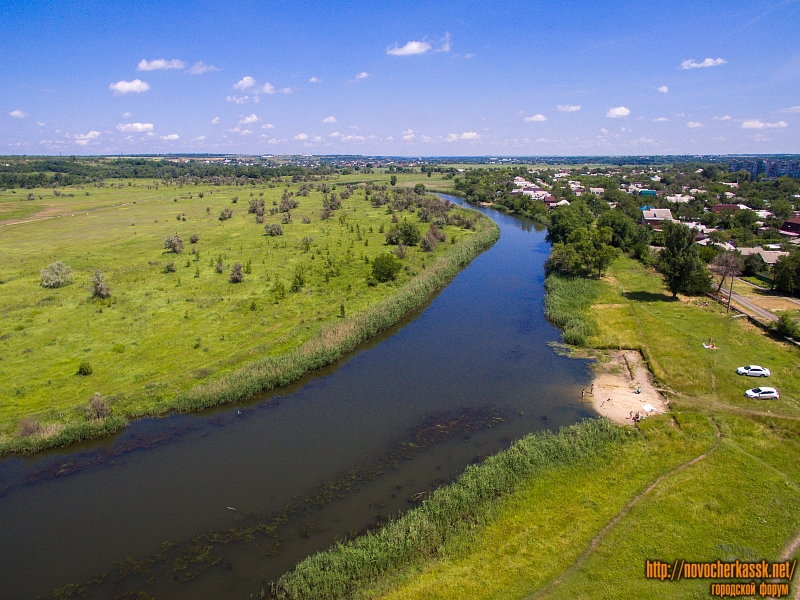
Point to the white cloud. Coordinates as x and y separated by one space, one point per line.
334 134
41 123
409 49
362 75
137 86
330 119
316 138
466 136
126 115
660 120
709 62
160 64
249 120
663 89
134 127
535 118
568 107
81 139
215 121
618 112
246 132
389 138
445 41
693 124
353 138
725 118
408 134
469 55
791 109
199 138
756 124
268 126
200 67
244 83
171 137
301 136
238 99
314 80
17 114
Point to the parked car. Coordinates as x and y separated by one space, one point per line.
753 371
762 392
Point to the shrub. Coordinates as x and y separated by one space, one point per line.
400 251
234 200
237 276
194 238
787 327
409 233
85 368
278 289
28 426
56 275
174 243
306 220
219 267
169 267
99 287
428 243
287 218
385 267
226 214
298 281
97 408
273 229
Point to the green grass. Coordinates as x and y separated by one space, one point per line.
163 336
545 536
566 305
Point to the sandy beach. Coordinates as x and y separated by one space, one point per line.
615 385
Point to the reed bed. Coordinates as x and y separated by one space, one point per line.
566 305
422 533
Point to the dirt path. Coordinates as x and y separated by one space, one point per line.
581 560
615 388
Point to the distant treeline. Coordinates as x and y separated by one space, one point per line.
44 171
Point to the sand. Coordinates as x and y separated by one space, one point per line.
615 390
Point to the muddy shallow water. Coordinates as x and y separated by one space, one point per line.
151 508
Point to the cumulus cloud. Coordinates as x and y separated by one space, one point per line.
81 139
137 86
200 67
301 136
791 109
215 121
246 132
660 120
618 112
268 126
335 134
171 137
249 120
409 49
160 64
134 127
693 124
41 123
362 75
126 115
314 80
244 83
725 118
18 114
709 62
569 107
199 138
238 99
408 134
663 89
535 118
330 119
466 136
756 124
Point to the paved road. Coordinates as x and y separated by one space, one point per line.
753 309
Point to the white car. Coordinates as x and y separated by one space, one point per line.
762 392
753 371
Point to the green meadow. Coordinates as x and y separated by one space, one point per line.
577 514
175 322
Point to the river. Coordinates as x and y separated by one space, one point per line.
331 455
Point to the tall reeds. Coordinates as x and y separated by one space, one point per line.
566 303
421 533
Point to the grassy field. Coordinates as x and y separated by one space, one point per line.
717 478
161 334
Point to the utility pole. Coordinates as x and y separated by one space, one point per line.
730 295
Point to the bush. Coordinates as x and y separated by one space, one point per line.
409 233
273 229
169 267
237 276
219 267
226 214
85 368
787 327
385 267
174 243
400 251
56 275
97 408
99 287
194 238
298 281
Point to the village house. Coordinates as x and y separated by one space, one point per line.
790 227
655 216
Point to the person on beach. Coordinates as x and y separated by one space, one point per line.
583 394
591 390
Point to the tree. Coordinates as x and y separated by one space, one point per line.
56 275
683 269
787 273
393 180
99 287
565 219
385 267
174 243
727 264
236 276
781 208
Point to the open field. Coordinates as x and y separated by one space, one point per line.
716 478
163 333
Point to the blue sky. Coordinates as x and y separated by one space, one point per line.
399 78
